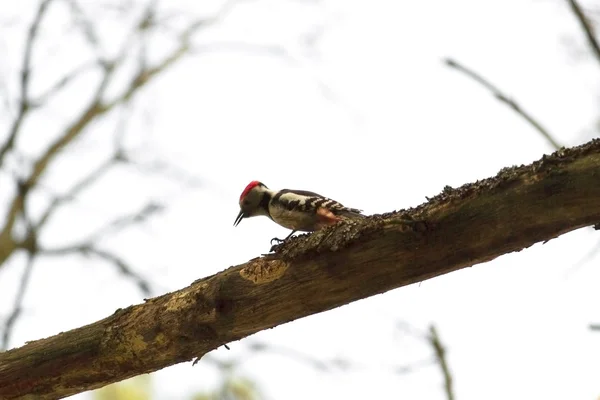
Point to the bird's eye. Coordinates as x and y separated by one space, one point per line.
246 202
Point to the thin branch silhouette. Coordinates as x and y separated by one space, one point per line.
506 100
24 103
587 28
91 250
105 70
17 308
440 355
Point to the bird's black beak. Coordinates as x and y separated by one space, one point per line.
239 218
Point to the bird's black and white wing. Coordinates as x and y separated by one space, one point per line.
304 201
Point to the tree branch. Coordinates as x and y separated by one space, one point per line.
587 27
126 220
24 103
313 273
88 250
505 99
440 356
124 268
18 303
63 82
83 22
92 111
95 109
79 187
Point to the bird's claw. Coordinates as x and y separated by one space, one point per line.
279 241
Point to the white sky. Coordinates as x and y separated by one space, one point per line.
370 117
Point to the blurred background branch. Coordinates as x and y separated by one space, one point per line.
25 76
440 355
109 73
17 307
498 94
587 27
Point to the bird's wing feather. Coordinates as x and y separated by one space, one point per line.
303 200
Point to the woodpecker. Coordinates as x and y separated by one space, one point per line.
297 210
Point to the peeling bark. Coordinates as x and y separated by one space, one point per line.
318 272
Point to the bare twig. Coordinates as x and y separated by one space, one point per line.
86 26
88 247
29 243
88 250
96 108
123 267
440 355
92 111
587 27
118 156
79 187
63 83
145 75
17 308
127 220
506 100
24 103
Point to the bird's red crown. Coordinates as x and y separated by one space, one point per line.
250 186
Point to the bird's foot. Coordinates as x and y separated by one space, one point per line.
279 241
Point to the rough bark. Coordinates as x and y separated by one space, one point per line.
314 273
